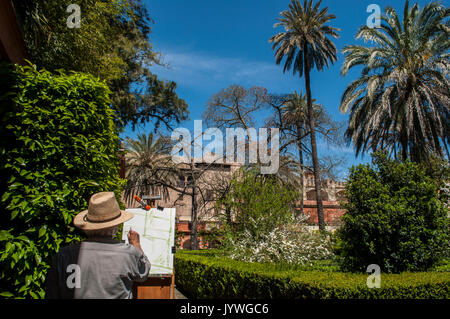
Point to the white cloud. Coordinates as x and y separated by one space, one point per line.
203 71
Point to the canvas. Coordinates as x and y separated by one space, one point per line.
157 235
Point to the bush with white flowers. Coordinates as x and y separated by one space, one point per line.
264 225
291 244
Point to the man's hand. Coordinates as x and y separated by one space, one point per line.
133 239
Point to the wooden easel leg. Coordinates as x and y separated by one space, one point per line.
173 285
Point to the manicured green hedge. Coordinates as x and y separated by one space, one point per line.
203 275
59 146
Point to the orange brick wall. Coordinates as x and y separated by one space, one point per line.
184 228
332 212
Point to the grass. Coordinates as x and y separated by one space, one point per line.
327 265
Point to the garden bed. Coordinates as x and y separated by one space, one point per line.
205 274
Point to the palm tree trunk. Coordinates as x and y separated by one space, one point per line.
228 215
300 160
194 223
404 140
313 142
404 149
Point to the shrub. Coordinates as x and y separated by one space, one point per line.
62 147
291 244
265 228
258 203
394 218
203 276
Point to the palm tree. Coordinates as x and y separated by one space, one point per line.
148 161
294 113
305 45
400 102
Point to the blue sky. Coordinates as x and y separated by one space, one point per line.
212 44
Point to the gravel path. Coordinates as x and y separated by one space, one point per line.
178 295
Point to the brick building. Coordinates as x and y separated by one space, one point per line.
218 175
212 177
333 194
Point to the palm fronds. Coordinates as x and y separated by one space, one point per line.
400 102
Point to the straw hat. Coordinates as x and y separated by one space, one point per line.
103 212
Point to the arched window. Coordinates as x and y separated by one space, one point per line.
340 196
311 195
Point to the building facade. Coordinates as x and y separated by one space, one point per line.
211 180
333 195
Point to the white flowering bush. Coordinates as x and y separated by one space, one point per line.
292 244
264 227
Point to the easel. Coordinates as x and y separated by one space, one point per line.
155 287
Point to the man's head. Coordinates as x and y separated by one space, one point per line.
102 216
108 233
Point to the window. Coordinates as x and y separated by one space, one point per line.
181 182
311 195
340 196
209 194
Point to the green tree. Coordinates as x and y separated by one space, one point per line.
258 203
61 147
305 45
148 161
395 218
112 43
400 101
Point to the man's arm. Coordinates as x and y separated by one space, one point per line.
143 267
133 239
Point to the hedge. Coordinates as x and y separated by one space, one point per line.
203 275
59 146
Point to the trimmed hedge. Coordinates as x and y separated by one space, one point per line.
202 275
59 146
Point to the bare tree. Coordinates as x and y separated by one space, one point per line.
290 114
198 183
235 106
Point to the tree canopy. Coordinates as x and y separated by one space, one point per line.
400 102
113 44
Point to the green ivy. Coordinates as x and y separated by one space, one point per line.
61 147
